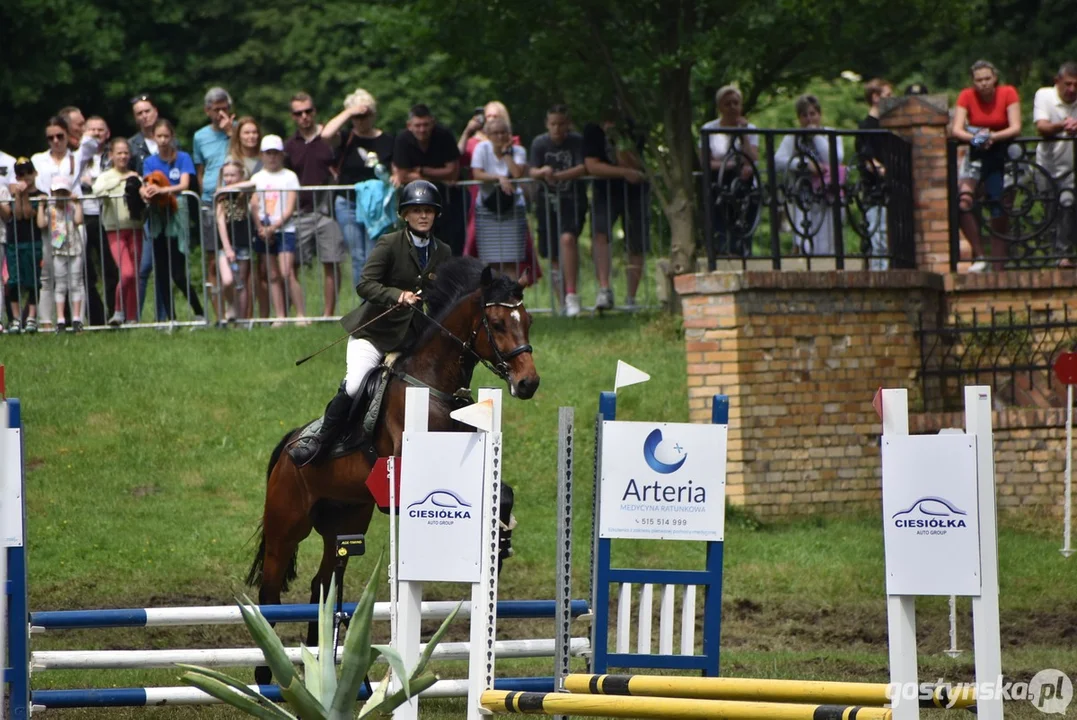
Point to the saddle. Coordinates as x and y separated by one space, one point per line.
358 433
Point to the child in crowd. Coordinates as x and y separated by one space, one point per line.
124 231
273 209
234 226
23 251
61 216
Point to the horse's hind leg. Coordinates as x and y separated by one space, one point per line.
285 524
330 520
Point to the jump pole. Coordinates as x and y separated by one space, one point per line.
752 690
501 701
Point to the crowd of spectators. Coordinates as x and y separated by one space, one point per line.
86 222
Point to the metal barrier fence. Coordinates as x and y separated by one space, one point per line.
768 205
598 232
1011 350
1013 202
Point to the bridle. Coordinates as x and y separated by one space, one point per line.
500 366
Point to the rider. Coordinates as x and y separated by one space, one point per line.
394 274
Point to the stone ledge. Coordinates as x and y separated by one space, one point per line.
1009 419
827 280
1057 278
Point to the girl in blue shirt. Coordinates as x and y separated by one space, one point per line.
169 216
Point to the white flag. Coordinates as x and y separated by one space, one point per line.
478 415
628 375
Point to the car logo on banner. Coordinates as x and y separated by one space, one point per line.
931 515
650 454
442 505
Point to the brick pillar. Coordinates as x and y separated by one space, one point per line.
922 121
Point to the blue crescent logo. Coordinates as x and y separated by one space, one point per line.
650 445
443 499
934 506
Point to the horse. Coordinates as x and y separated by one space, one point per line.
475 316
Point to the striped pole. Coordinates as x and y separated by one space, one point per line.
752 690
229 614
501 701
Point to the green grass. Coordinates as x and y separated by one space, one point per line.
146 459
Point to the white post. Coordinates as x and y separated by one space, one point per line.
484 594
901 609
953 651
987 641
394 641
1067 549
410 610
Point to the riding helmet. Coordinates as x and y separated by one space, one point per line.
420 192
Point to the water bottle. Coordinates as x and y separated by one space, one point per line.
236 276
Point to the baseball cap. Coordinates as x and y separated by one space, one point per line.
272 142
60 182
23 166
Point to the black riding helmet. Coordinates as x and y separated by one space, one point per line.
420 192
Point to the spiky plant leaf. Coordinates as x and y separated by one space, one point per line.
424 659
227 693
396 663
418 684
377 697
327 663
357 655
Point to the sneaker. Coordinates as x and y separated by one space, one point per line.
60 327
572 305
117 319
14 328
630 303
978 267
604 299
76 326
200 319
30 326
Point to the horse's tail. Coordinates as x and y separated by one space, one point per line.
254 575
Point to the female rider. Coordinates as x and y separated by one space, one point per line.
394 274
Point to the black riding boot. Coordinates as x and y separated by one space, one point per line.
307 449
508 524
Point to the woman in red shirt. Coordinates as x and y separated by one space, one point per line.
987 116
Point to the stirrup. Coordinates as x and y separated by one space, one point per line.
301 452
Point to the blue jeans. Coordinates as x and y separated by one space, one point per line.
161 291
355 235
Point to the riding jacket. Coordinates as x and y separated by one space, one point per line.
393 267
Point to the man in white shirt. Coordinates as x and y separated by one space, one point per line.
7 169
1055 116
97 251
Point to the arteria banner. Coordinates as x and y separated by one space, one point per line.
662 481
441 493
931 530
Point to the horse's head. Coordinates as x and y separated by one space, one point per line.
500 334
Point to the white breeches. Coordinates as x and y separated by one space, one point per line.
362 358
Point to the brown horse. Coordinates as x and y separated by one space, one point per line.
475 316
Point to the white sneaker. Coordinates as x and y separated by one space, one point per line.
117 319
572 305
978 267
604 299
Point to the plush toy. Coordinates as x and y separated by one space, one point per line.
162 201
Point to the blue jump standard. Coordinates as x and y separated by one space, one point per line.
136 617
136 697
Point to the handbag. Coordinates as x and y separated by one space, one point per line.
499 202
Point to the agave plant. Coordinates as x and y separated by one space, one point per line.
320 693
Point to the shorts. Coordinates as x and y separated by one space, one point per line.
281 241
994 182
243 254
629 203
564 214
322 231
208 218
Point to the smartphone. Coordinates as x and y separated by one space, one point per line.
480 114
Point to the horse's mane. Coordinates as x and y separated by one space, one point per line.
456 278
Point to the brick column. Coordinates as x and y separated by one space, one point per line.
922 121
800 355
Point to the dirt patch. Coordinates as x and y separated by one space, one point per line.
34 463
144 490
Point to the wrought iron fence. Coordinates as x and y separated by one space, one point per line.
1016 203
1012 350
787 202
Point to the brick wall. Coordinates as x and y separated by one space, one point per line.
801 355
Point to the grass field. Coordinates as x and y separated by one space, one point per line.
146 459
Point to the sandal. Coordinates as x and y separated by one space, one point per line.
30 326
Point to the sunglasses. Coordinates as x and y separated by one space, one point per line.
304 111
141 98
58 136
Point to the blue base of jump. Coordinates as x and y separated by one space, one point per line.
136 617
136 697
